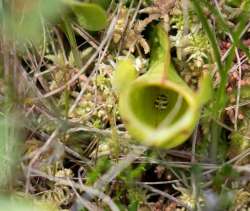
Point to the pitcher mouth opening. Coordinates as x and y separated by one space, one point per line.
156 105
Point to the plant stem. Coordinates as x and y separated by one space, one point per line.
72 41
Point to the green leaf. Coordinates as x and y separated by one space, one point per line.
103 3
226 198
234 3
225 173
72 41
90 16
133 206
124 74
205 90
102 165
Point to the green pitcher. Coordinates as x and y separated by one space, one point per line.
158 108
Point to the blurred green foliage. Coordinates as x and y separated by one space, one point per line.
24 20
9 149
103 3
89 15
94 174
22 204
225 174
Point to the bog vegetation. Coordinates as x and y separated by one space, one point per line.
125 105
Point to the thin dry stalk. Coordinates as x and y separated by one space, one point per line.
166 195
84 34
82 70
41 150
105 198
238 92
85 203
113 172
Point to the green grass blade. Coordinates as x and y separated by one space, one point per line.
210 33
224 26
